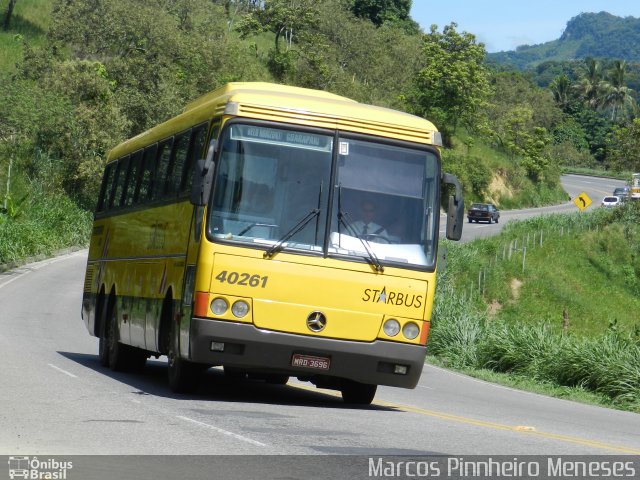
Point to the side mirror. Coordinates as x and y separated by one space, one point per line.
455 210
202 179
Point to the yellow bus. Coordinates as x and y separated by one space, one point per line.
235 235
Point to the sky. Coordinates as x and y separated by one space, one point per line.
505 24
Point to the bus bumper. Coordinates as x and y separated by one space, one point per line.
250 348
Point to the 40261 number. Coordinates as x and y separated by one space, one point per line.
243 279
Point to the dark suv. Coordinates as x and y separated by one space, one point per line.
485 212
622 192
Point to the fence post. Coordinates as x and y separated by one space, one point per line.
524 257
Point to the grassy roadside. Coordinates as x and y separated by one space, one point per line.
593 172
518 336
50 223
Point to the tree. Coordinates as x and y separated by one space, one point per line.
624 148
379 12
452 86
591 85
7 15
561 89
618 95
285 18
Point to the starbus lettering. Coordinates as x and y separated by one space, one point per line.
390 297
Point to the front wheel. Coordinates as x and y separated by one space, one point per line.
357 393
103 344
184 376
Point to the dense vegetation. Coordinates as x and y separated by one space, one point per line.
90 73
570 322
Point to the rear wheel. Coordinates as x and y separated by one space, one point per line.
119 357
116 351
357 393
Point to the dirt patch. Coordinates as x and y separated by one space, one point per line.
498 189
515 288
493 308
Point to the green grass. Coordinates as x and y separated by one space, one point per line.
29 23
598 172
585 266
588 265
48 224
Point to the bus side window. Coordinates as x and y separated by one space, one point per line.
118 182
133 178
121 186
176 166
162 162
196 152
146 176
105 189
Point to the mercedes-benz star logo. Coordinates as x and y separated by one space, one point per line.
316 321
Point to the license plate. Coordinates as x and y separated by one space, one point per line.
309 361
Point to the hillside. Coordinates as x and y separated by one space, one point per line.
586 35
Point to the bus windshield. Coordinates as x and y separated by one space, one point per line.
272 184
387 194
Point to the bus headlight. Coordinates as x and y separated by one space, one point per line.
391 327
410 330
240 308
219 306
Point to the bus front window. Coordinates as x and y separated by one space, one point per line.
268 180
385 196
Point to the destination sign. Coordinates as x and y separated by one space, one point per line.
286 138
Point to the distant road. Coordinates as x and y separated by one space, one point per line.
595 187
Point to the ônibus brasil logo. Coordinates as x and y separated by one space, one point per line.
35 469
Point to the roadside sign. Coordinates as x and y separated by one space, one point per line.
582 201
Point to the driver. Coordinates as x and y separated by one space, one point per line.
366 226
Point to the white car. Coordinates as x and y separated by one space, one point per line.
610 202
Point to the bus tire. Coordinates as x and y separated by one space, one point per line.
357 393
276 379
103 343
234 374
184 376
118 353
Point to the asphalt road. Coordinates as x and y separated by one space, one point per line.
57 400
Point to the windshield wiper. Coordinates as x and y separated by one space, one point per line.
343 218
295 229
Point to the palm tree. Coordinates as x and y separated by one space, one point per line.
618 95
592 85
561 89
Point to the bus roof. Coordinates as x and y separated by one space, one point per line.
303 106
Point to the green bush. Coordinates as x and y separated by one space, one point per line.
49 223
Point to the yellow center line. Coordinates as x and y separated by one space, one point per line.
525 430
